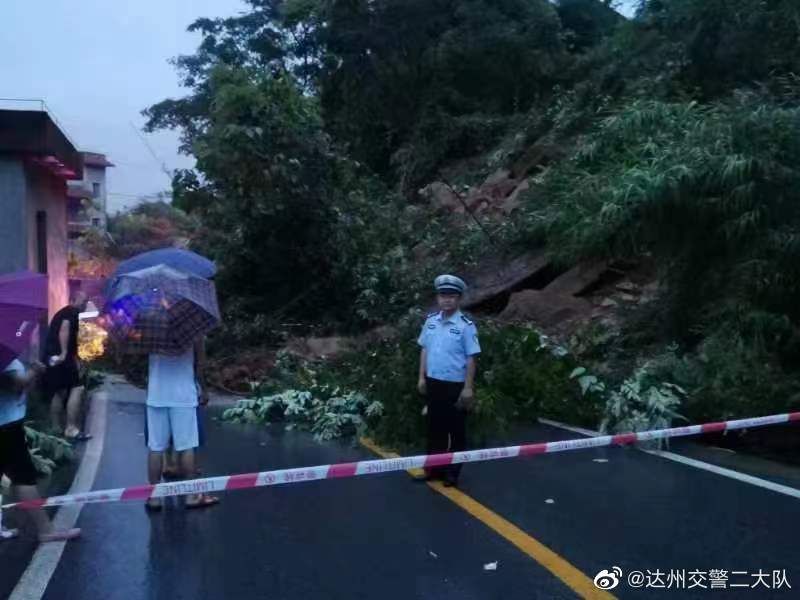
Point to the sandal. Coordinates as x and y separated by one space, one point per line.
203 501
60 536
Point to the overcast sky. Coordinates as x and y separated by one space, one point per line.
97 64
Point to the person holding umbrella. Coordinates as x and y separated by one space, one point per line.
165 313
172 419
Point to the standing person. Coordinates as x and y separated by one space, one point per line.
172 401
170 468
449 342
62 381
15 459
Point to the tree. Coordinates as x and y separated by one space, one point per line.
729 42
395 67
264 187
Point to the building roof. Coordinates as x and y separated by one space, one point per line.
96 159
35 134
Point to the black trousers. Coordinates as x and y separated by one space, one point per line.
447 424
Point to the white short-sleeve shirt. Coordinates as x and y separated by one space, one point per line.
450 341
171 381
12 404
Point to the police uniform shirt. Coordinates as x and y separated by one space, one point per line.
449 342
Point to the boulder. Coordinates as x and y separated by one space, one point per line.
499 275
383 333
513 201
498 176
577 279
542 152
545 309
319 348
442 197
628 287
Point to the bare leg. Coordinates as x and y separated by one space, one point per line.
154 466
56 411
189 471
171 466
187 463
74 412
154 475
43 524
187 467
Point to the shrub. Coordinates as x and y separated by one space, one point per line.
328 412
522 375
47 451
729 378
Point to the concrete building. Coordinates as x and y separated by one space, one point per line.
37 160
88 198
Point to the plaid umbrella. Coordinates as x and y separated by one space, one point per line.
160 310
23 302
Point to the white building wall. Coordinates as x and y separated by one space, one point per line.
95 178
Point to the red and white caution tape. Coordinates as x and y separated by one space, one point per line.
371 467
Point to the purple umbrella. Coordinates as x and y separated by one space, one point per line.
23 302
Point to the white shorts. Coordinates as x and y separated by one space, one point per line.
178 424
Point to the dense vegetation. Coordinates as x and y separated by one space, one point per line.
315 122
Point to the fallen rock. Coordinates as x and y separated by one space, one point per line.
320 348
628 286
542 152
513 201
333 347
234 373
499 275
383 333
577 279
442 197
544 308
497 177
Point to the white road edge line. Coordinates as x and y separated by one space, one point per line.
691 462
34 581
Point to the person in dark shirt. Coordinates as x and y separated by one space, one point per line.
62 380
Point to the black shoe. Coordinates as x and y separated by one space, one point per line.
450 481
424 478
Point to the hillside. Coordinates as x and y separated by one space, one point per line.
625 187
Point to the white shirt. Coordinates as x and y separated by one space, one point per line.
12 403
171 381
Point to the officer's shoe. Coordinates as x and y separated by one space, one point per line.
425 478
450 480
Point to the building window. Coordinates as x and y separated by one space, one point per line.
41 241
95 190
95 222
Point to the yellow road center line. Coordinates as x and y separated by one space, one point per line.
580 583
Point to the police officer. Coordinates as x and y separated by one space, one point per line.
449 342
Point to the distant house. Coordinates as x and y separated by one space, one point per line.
87 207
36 161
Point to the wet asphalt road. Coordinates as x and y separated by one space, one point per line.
386 537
